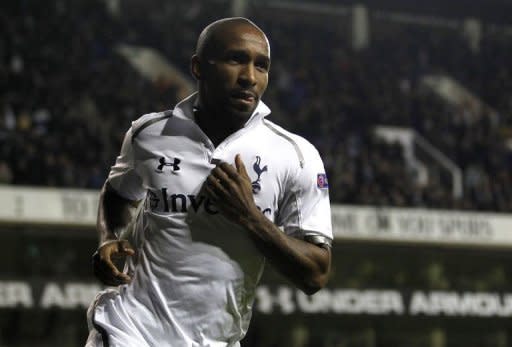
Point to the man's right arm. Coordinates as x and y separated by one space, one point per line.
114 214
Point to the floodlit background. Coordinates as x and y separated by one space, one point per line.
409 103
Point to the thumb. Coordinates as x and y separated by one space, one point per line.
124 247
240 166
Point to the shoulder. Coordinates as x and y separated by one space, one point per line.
305 150
146 121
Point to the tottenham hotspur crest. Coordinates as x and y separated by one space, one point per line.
256 186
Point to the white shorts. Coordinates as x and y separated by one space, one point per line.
99 337
96 338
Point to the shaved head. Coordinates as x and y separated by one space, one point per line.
231 66
211 36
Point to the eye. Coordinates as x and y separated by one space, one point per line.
262 65
236 58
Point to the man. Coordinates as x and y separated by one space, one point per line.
223 189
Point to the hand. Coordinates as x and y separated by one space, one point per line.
104 268
231 190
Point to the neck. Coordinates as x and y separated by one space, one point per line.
216 127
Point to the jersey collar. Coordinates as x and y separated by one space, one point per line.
185 109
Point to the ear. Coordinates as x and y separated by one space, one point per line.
195 67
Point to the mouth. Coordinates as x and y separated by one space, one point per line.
245 96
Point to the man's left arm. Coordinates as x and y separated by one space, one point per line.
306 264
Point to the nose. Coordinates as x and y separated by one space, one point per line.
247 76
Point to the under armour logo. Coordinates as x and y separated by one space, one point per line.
174 164
256 186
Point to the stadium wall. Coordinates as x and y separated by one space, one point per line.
77 208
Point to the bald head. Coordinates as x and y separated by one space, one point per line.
212 36
231 66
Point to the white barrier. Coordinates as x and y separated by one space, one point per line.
74 207
422 226
47 206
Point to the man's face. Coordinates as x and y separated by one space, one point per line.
234 75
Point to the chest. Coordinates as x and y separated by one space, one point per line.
174 170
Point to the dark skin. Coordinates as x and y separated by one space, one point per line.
305 264
232 76
114 213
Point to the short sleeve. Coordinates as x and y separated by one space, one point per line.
123 176
305 208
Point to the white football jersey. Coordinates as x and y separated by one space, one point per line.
191 287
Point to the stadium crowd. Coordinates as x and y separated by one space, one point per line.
66 97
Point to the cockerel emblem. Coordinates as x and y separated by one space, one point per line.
256 186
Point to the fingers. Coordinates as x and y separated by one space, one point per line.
124 248
107 273
221 173
228 169
214 185
230 188
103 266
211 193
224 179
108 277
223 170
104 273
240 166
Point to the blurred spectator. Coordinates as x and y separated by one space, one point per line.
67 96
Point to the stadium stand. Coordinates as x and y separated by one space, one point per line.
66 98
65 90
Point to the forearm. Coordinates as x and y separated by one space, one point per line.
305 264
114 214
